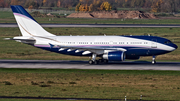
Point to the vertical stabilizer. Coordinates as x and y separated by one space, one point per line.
27 24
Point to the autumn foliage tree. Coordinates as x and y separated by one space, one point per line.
32 3
105 6
91 7
137 3
30 8
14 2
44 1
156 7
77 7
84 8
58 3
2 3
96 5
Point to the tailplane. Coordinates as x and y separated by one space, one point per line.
27 24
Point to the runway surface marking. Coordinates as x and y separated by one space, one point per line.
58 64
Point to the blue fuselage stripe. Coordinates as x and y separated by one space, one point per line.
130 51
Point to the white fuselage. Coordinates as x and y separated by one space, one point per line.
112 48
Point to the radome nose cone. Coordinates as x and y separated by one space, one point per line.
175 46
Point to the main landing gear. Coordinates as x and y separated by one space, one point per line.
154 60
94 61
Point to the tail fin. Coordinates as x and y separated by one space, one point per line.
27 24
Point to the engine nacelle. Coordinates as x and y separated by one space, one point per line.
115 56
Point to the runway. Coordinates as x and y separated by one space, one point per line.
59 64
11 25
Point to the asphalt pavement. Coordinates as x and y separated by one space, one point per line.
59 64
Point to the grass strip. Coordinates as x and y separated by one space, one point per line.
103 84
69 71
27 100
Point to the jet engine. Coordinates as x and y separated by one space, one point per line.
114 56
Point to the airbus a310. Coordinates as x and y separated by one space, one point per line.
108 48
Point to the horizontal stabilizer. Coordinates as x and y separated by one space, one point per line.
7 38
27 40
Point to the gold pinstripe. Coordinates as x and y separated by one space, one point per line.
37 36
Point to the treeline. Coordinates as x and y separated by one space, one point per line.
153 5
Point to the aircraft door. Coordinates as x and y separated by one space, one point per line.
111 43
154 43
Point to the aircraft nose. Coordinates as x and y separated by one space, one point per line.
174 46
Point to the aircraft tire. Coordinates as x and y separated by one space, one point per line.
101 60
153 62
96 62
91 62
105 61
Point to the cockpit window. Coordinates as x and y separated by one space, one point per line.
167 42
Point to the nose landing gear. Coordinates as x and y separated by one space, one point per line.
154 60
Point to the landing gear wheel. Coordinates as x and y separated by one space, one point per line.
93 59
105 61
91 62
101 60
153 62
96 62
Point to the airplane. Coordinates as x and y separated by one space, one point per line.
108 48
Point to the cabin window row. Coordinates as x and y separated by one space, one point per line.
104 43
136 42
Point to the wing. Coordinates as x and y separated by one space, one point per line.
88 49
